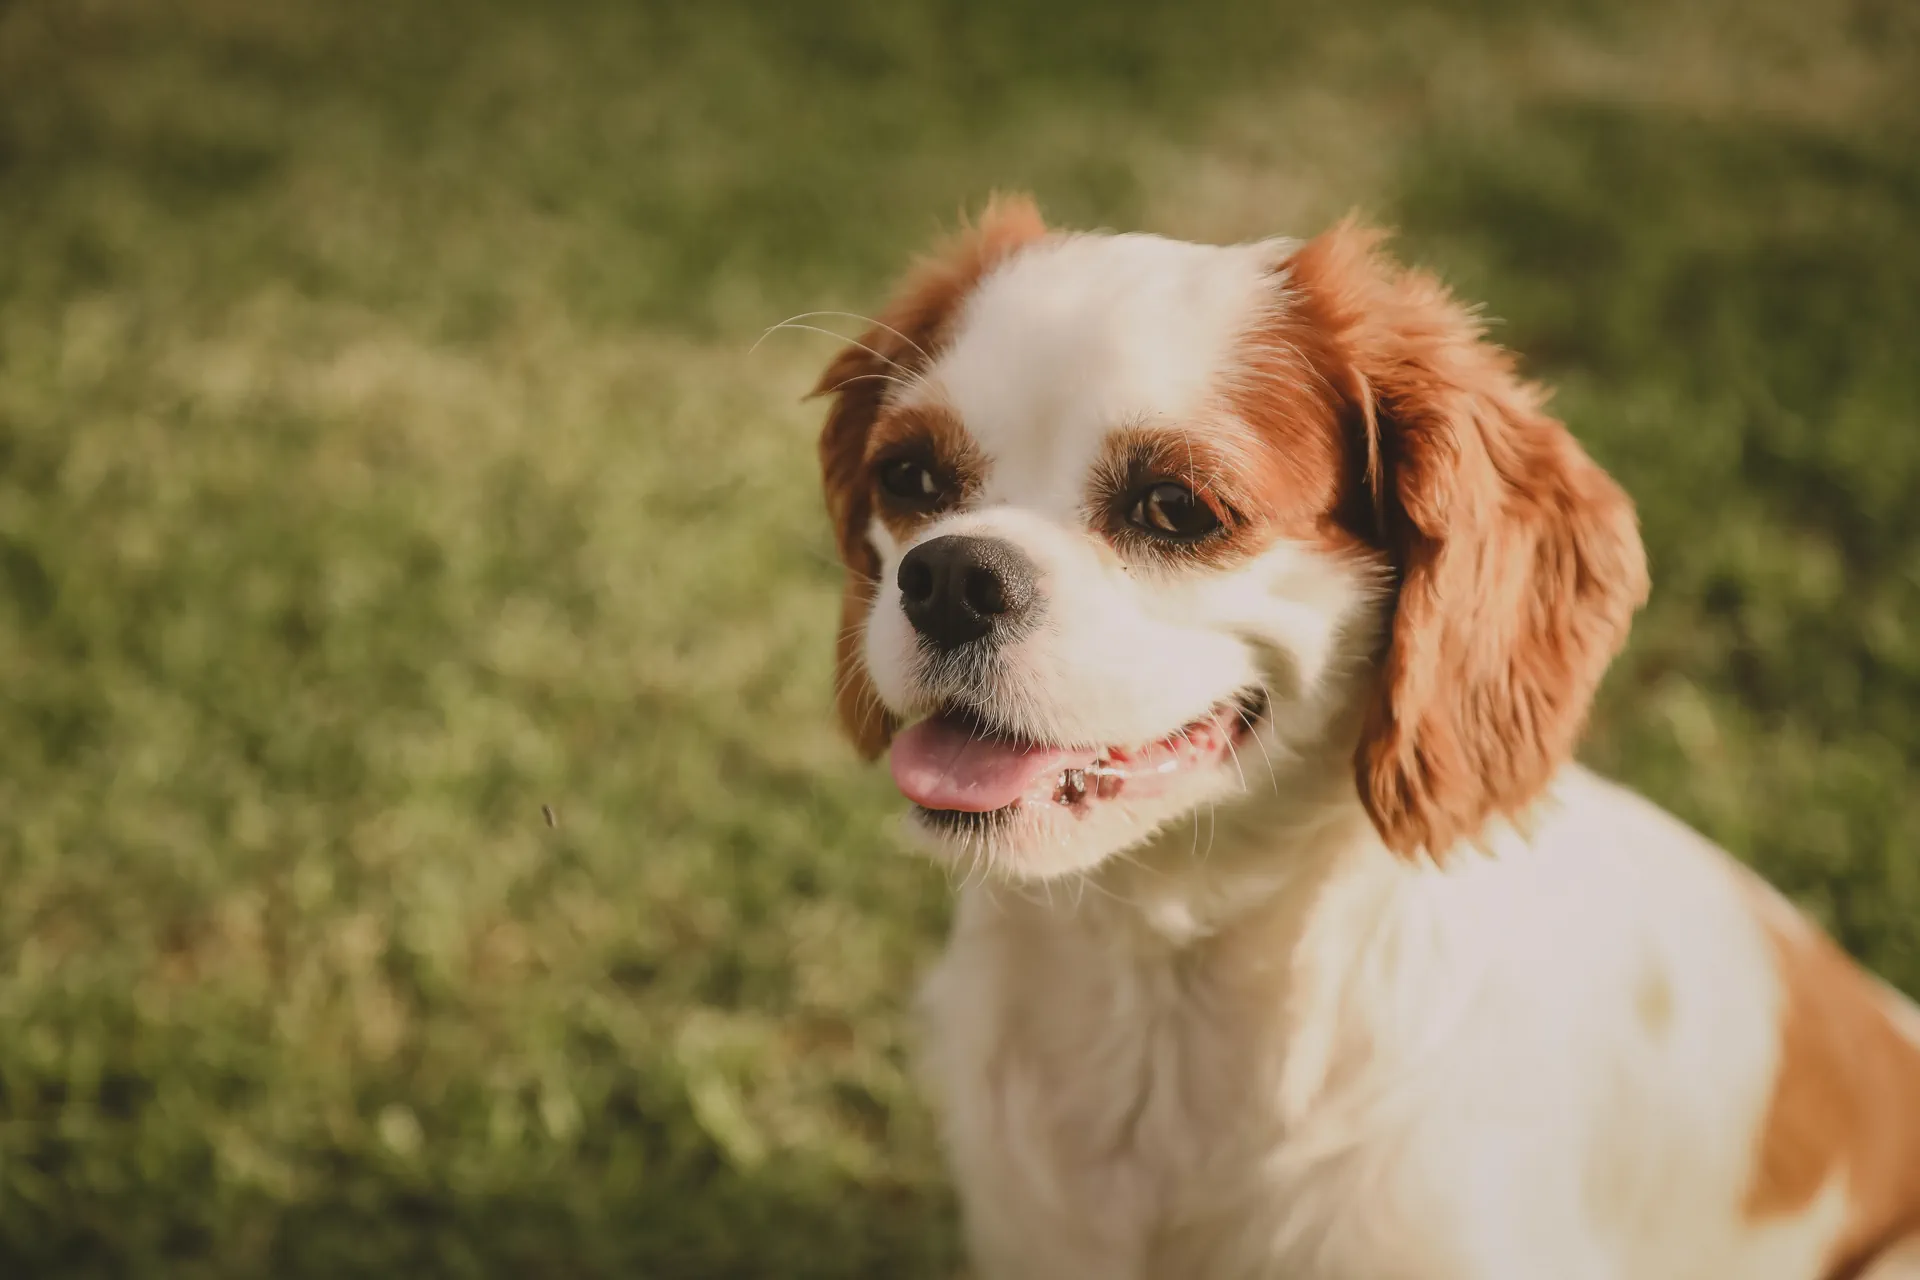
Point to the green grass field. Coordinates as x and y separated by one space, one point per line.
382 457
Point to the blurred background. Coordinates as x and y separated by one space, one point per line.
383 457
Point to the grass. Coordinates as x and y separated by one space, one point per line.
382 458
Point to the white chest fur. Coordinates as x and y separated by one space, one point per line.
1549 1061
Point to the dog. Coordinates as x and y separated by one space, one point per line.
1230 615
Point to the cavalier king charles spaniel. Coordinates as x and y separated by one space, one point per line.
1229 615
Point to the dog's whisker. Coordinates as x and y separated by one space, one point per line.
867 320
865 579
908 383
1235 755
821 329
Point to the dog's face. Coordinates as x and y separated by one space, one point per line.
1132 524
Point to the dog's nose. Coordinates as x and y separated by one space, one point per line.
957 588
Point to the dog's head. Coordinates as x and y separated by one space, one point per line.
1130 524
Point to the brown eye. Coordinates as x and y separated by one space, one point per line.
1170 511
911 482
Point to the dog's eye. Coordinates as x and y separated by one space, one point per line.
1168 510
911 482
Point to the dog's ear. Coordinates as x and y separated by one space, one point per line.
897 346
1518 559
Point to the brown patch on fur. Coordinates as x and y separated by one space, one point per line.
1308 463
909 329
933 436
1846 1101
1653 1001
1269 470
1518 560
936 431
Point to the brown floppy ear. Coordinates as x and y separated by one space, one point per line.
897 346
1519 560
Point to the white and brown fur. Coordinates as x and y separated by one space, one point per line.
1405 993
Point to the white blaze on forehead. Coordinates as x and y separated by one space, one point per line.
1075 337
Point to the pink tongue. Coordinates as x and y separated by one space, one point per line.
945 764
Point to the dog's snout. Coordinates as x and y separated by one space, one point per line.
957 588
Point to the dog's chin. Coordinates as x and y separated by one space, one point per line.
986 799
1032 843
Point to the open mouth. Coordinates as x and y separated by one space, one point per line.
962 771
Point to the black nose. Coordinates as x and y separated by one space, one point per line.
957 589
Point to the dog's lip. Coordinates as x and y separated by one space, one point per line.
957 762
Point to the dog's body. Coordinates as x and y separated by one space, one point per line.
1553 1061
1137 528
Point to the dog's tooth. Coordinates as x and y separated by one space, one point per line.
1073 786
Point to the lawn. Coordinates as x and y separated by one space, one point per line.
385 454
